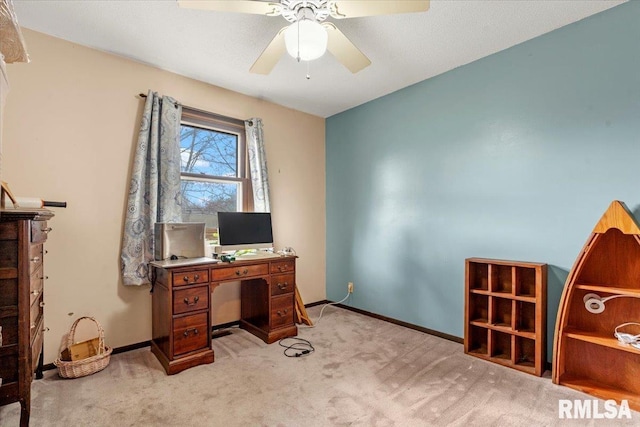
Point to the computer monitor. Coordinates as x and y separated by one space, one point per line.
244 230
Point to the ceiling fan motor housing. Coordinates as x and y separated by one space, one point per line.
296 10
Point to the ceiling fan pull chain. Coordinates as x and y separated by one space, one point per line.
308 74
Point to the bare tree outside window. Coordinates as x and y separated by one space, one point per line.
212 173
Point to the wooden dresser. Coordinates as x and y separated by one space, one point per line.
181 306
22 234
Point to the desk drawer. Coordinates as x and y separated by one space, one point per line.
192 298
190 277
190 333
239 272
283 266
282 284
281 311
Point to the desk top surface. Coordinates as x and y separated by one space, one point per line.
245 259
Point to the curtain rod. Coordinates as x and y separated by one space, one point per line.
214 115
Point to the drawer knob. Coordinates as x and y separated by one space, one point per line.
280 268
195 301
196 277
46 230
35 292
45 329
283 286
45 277
194 330
279 313
41 303
186 279
33 326
35 259
242 273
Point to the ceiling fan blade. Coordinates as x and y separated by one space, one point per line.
345 51
355 8
240 6
270 55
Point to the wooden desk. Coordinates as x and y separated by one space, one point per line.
181 306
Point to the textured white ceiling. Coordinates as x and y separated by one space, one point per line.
219 48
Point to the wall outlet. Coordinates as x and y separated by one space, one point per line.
350 287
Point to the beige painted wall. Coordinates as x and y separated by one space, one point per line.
70 125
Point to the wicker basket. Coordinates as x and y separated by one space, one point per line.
90 365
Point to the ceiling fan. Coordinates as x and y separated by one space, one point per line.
308 36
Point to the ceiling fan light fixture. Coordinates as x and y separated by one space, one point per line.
306 39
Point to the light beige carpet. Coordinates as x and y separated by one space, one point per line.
364 372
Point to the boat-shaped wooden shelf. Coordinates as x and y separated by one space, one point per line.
601 293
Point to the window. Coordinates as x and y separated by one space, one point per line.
213 169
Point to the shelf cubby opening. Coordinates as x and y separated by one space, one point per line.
589 363
525 352
525 282
478 276
478 308
616 311
10 248
8 369
9 326
478 340
525 317
501 278
500 345
612 261
501 312
8 293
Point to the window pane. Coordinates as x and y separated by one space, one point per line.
202 200
208 152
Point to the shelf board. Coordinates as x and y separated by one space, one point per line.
599 339
634 292
482 323
505 295
601 390
9 311
504 360
8 273
525 298
479 351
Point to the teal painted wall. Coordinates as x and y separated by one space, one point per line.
515 156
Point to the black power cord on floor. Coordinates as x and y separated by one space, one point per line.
298 348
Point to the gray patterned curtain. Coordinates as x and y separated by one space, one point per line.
154 193
257 165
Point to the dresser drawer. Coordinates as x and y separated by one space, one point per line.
36 347
283 266
35 316
281 311
282 284
36 287
190 277
39 231
191 298
35 257
190 333
239 272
